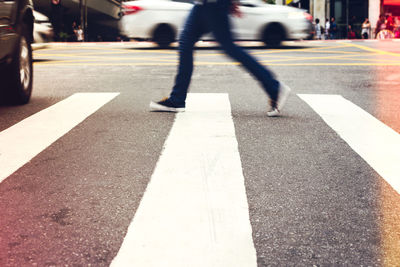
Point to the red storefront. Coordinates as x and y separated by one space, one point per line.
391 9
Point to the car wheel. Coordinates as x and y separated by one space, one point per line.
273 35
164 35
20 73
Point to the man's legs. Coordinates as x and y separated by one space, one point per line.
194 28
220 27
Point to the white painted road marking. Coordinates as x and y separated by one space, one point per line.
24 140
194 211
375 142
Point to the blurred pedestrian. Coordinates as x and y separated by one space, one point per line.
79 34
366 29
75 31
212 15
389 23
380 25
353 22
396 27
333 29
56 18
327 27
350 33
318 30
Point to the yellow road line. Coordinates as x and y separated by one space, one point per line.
344 57
378 51
63 63
214 63
156 62
330 56
135 51
126 51
94 60
170 59
43 52
80 58
174 59
310 58
122 50
169 55
337 52
300 50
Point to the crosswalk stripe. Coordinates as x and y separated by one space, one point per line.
194 211
24 140
375 142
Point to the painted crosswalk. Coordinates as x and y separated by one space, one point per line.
194 211
375 142
23 141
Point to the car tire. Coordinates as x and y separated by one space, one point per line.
164 35
20 71
273 35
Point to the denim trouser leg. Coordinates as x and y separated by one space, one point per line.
191 33
220 26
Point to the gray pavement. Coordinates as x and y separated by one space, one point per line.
313 201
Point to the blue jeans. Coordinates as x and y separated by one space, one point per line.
203 19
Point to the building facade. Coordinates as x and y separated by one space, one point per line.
347 12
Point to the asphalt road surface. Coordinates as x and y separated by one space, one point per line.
318 186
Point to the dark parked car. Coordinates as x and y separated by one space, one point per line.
16 36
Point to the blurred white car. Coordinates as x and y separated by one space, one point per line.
42 28
162 21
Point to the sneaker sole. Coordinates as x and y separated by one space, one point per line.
273 113
157 107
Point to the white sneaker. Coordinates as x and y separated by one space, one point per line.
284 92
273 112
